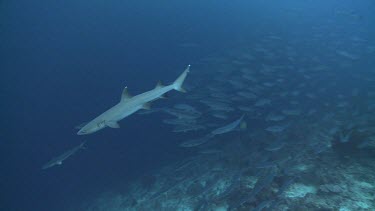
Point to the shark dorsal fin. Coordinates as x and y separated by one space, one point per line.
125 94
159 85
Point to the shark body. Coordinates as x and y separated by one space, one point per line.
59 159
130 104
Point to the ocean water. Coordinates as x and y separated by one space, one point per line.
301 73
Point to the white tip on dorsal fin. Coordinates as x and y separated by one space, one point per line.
147 106
159 85
125 94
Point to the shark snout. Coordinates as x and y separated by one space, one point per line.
87 130
82 132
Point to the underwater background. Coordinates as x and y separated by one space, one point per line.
301 72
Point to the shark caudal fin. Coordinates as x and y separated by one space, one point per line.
177 84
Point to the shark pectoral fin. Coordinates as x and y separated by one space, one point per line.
112 124
82 145
146 106
125 94
164 96
243 125
159 85
182 90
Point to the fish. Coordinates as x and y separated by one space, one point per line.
195 142
183 114
185 107
179 121
347 55
277 128
367 143
291 112
266 164
221 107
227 128
220 115
262 102
274 117
210 151
129 105
59 159
187 128
247 95
275 146
245 108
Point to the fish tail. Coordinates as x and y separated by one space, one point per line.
177 84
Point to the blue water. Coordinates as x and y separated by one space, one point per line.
64 62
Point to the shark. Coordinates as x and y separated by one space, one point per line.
130 104
59 159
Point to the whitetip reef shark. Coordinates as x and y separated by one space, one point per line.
130 104
59 159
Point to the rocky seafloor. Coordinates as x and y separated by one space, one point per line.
242 175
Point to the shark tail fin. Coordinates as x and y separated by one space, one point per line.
177 84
